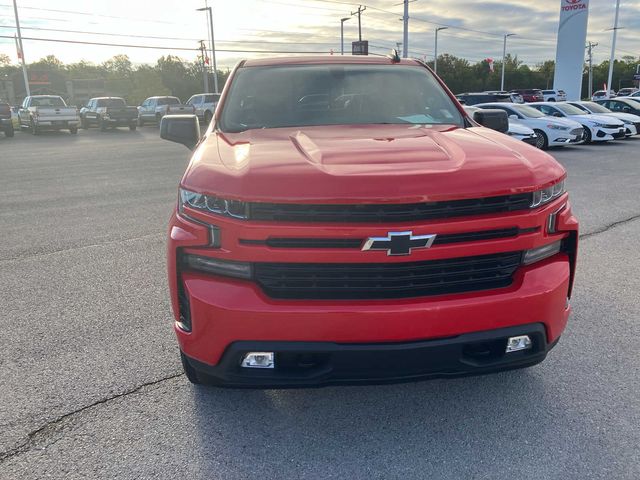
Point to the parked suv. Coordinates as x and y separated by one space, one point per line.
530 94
154 108
322 237
108 112
554 95
6 123
205 105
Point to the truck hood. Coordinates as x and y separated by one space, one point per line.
367 164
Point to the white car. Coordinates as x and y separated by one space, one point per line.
597 128
516 129
554 95
550 131
631 122
600 94
635 95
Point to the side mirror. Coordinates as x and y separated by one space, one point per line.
626 110
493 119
183 129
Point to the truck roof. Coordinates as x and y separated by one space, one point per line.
327 60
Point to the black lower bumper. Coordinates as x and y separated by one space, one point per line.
307 364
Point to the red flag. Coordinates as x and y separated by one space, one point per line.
490 62
18 48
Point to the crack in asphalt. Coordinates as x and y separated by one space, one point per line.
29 256
606 228
50 427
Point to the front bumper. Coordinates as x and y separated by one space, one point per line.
305 364
606 134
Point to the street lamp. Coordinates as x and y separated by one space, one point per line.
504 58
435 58
342 20
613 50
213 47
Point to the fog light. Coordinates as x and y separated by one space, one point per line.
514 344
258 360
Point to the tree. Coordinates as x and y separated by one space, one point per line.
5 61
118 65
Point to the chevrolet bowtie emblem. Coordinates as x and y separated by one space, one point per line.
399 243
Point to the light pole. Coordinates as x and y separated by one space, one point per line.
342 20
590 53
504 58
435 48
24 66
213 47
405 30
613 48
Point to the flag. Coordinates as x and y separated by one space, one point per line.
490 62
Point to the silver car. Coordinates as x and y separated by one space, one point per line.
154 108
205 104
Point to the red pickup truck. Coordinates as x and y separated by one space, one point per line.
342 220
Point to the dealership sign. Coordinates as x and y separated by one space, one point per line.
572 35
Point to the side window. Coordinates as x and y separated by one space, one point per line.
616 106
547 110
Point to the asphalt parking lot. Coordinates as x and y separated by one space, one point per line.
91 386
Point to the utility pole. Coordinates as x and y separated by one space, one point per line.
359 13
504 58
24 66
613 48
342 20
590 54
205 75
435 53
405 36
213 46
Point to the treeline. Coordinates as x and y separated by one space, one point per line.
172 75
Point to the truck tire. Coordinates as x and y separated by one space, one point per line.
34 128
9 131
102 124
73 130
132 127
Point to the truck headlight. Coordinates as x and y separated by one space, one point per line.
216 205
544 196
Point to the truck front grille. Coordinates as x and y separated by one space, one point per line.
308 281
379 213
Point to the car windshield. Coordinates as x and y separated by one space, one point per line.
293 96
569 109
111 102
47 102
527 111
596 108
168 101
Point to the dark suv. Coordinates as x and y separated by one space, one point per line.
483 97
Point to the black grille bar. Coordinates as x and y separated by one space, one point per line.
380 213
386 280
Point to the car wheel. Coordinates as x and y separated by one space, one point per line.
542 141
207 117
34 128
140 122
189 371
102 124
132 127
587 134
9 131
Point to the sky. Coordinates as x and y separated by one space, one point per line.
475 32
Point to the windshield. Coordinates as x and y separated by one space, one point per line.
168 101
292 96
111 102
527 111
596 108
569 109
47 102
